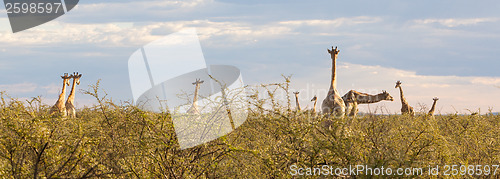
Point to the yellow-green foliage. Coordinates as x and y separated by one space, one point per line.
121 141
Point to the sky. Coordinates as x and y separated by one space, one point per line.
446 49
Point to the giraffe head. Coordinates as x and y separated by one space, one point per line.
66 78
435 98
386 96
198 81
333 52
76 77
296 92
398 84
314 98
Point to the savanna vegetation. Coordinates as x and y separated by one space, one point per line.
119 140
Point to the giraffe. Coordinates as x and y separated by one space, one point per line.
297 100
431 112
405 108
333 103
315 99
60 107
194 107
70 106
353 98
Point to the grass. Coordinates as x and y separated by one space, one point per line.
110 140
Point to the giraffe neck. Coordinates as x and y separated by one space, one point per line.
403 100
63 93
297 101
314 108
71 97
333 84
366 98
195 100
431 112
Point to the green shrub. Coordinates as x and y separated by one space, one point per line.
112 140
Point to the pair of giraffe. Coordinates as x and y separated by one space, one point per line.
407 109
334 103
315 99
68 108
348 103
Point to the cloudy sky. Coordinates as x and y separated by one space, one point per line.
446 49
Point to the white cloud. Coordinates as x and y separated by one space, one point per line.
19 88
486 81
4 25
52 89
456 22
124 34
335 22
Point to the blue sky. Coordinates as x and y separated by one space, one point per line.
447 49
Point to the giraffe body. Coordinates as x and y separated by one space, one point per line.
70 106
405 107
194 108
431 112
353 98
333 103
60 107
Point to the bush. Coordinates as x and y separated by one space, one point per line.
112 140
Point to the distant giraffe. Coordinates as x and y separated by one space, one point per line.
315 99
431 112
405 108
297 100
70 106
333 103
60 107
353 98
194 108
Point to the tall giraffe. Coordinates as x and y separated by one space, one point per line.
353 98
59 107
315 99
70 106
333 103
194 108
297 100
405 108
431 112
